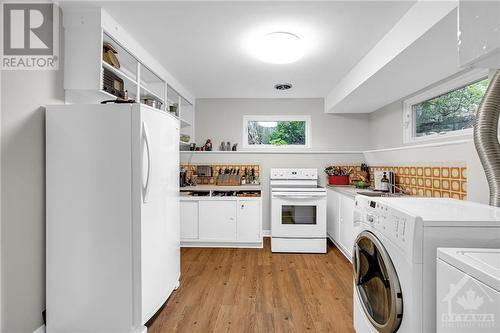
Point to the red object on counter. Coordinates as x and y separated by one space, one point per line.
338 180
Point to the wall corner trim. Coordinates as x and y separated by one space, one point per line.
420 146
40 329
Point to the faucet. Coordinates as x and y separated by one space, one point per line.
395 188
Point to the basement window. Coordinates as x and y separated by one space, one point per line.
446 110
261 132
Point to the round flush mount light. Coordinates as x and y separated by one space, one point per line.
279 47
283 86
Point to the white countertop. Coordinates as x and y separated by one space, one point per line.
348 190
222 188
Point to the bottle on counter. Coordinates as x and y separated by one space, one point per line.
384 183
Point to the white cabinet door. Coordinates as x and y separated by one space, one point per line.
218 220
189 220
346 223
333 210
249 222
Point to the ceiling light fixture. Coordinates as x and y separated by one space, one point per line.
279 48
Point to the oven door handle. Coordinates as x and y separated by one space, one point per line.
300 196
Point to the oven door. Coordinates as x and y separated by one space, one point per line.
298 214
376 283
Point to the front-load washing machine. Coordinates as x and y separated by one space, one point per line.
394 256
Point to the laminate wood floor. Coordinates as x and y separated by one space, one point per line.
254 290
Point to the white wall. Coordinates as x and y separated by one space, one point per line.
386 131
222 119
1 279
23 195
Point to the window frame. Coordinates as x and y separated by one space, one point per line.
409 119
277 118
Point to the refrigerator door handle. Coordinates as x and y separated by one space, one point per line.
147 144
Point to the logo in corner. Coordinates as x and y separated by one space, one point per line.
468 306
30 36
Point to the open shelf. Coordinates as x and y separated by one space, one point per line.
119 73
184 123
128 63
147 92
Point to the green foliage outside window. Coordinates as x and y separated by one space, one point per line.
455 110
277 133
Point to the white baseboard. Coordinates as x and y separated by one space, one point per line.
222 244
140 329
40 329
266 233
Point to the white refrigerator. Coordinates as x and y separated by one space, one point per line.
112 216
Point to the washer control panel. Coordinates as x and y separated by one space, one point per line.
392 223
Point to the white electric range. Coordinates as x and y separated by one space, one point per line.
298 211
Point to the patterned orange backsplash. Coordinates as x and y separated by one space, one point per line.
425 181
216 169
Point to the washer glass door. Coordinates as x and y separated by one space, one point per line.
377 284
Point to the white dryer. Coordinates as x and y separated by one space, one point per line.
394 256
468 290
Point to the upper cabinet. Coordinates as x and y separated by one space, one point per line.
479 34
102 62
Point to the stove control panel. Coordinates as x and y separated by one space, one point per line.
302 174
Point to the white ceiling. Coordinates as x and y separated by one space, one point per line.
202 44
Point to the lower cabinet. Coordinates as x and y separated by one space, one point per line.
346 225
217 220
340 224
332 214
231 222
189 215
249 228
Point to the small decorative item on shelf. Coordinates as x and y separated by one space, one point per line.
208 145
228 146
152 102
109 55
112 84
338 175
185 138
192 146
235 147
222 146
173 109
119 100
